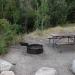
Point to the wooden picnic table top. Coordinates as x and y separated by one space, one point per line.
63 34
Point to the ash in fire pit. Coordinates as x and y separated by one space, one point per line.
35 49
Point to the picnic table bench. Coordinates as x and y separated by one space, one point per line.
56 37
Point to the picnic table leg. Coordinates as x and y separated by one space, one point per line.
53 42
74 39
68 39
49 40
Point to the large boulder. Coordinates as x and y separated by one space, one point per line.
46 71
5 66
7 73
73 66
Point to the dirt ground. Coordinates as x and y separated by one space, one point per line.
27 64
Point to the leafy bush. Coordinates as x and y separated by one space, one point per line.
58 11
41 14
6 35
16 28
3 46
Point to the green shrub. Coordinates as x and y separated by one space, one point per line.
6 35
3 46
58 10
17 28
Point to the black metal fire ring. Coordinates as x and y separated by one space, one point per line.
35 49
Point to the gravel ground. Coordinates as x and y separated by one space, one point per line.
27 64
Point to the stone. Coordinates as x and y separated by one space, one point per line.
46 71
5 66
73 66
7 73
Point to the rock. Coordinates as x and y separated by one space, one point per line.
73 66
5 66
46 71
7 73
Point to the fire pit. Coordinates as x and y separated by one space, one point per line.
35 49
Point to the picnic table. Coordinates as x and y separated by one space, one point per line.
56 37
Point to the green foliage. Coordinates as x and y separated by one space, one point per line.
7 35
36 13
58 11
16 28
41 14
45 12
9 10
3 46
71 11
